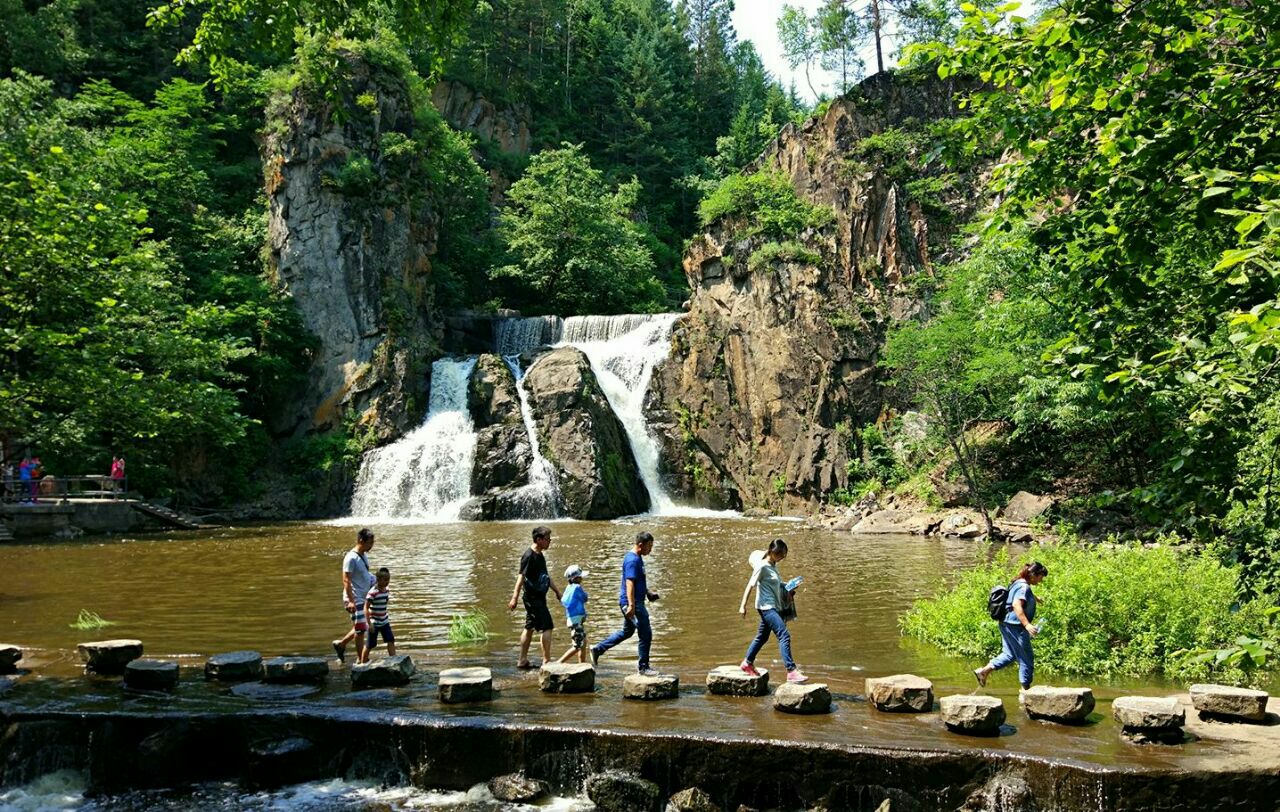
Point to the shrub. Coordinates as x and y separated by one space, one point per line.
788 251
1111 611
769 203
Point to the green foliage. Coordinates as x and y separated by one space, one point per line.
354 177
571 242
768 203
789 251
1247 653
88 621
469 628
1110 611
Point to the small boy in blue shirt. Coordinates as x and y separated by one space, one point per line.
575 607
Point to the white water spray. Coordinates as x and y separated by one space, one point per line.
425 475
540 499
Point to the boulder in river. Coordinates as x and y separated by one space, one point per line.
382 673
277 763
234 666
1024 507
663 686
900 693
518 788
466 685
109 657
567 678
972 714
1147 719
693 799
897 522
583 439
9 657
1229 702
730 680
295 669
804 699
503 453
151 675
1070 706
617 791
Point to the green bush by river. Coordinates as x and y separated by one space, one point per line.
1106 611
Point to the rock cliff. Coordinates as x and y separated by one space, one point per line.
774 366
582 438
350 236
503 454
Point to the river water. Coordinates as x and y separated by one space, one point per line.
276 589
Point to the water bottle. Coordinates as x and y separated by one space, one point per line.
795 582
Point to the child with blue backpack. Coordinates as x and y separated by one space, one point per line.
575 607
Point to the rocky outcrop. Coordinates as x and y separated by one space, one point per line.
351 233
776 361
582 438
502 453
502 133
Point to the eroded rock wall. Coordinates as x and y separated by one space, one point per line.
775 364
351 234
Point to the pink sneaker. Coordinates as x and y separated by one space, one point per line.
796 676
749 669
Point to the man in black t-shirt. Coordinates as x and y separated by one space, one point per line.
532 582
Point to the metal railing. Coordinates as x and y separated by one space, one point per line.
52 488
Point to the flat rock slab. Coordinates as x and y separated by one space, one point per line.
616 791
898 522
295 669
9 656
1148 712
567 678
1227 702
267 692
730 680
516 788
806 698
900 693
234 666
151 675
467 685
663 686
383 673
109 656
1070 706
972 714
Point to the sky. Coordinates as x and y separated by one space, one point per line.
757 20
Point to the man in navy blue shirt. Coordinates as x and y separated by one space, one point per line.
631 597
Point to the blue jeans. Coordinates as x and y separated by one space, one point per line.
640 623
1016 648
771 621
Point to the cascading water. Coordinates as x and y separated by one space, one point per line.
541 497
425 475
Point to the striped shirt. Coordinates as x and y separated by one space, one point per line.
377 600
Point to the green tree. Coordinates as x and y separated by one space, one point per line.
572 244
840 35
800 40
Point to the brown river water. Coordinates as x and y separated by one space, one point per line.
276 589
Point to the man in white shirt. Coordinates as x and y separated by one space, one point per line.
357 580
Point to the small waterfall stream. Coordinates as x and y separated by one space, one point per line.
540 499
425 475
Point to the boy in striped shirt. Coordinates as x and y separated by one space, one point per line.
375 609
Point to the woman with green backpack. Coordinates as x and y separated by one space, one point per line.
1016 628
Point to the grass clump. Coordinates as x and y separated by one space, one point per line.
88 621
469 628
1110 611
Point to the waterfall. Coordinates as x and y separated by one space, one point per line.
540 499
516 336
426 474
623 351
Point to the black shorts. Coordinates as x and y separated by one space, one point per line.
537 616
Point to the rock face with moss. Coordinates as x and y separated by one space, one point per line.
582 438
774 367
503 454
350 236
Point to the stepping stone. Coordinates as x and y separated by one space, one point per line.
804 698
151 675
972 714
234 666
109 657
1148 719
730 680
295 669
567 678
9 656
900 693
516 788
617 791
273 693
1068 706
466 685
1225 701
663 686
381 673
